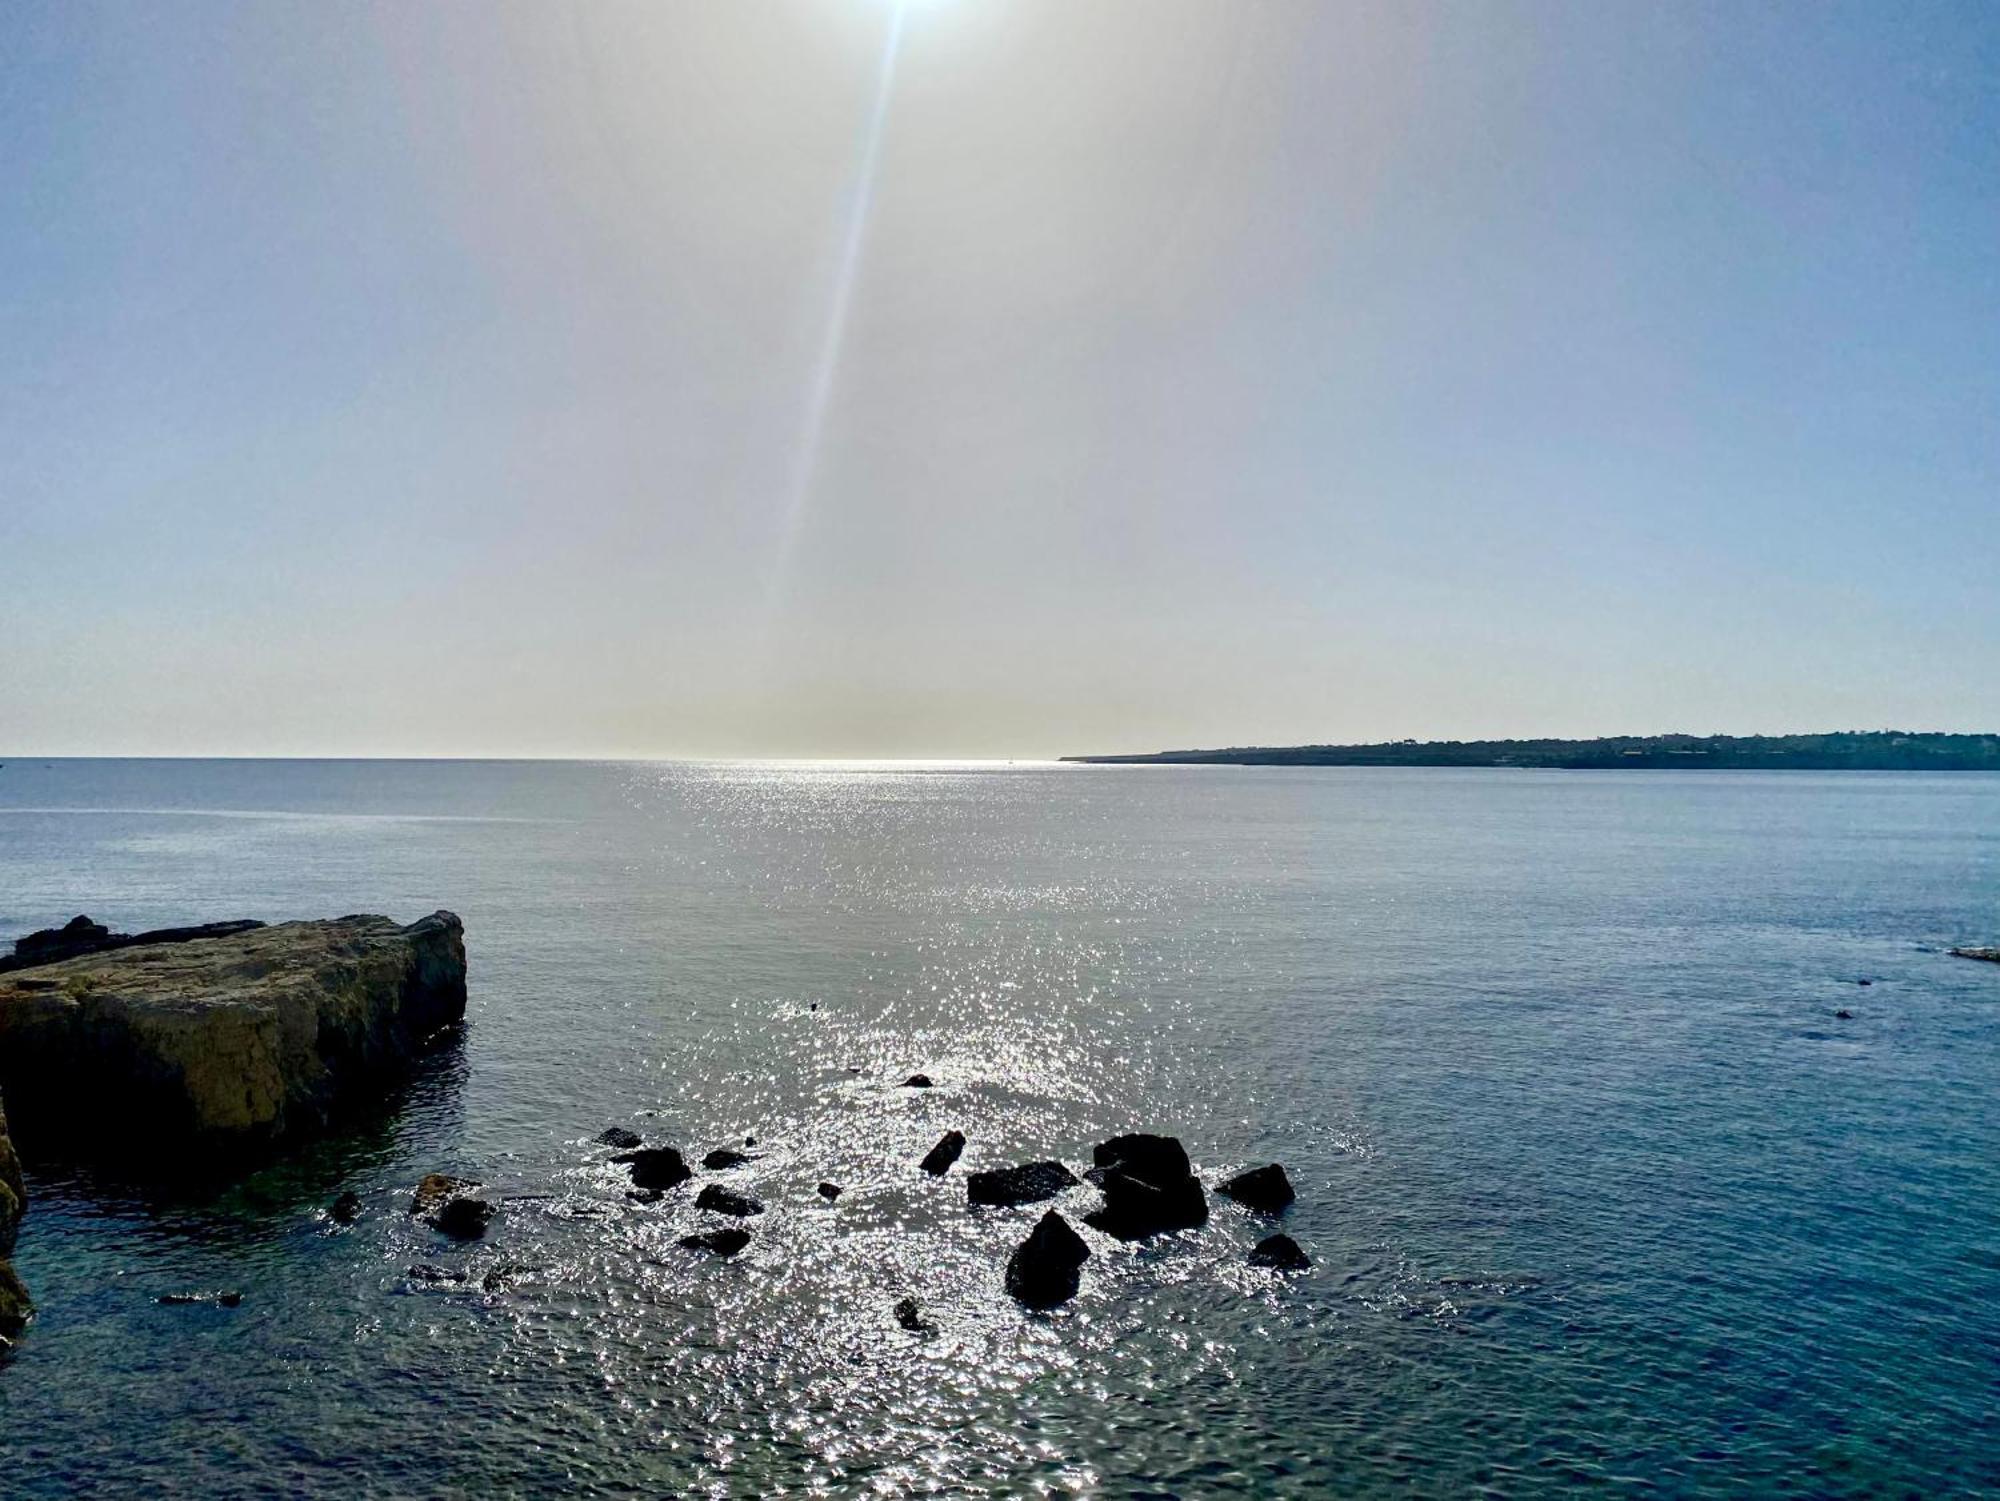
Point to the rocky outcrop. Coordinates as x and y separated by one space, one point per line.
446 1203
619 1137
1043 1271
722 1159
724 1242
1265 1189
1029 1183
221 1040
82 936
1992 956
1149 1187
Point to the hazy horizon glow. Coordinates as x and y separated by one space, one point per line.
847 379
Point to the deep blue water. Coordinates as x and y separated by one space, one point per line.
1600 1191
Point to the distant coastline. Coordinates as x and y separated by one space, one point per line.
1876 750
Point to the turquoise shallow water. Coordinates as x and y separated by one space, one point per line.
1600 1191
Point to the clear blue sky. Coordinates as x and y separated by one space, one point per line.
664 379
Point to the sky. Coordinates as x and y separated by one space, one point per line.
992 377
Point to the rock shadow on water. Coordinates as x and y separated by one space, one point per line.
239 1200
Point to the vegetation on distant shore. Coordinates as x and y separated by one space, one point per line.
1852 750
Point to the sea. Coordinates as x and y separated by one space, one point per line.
1646 1136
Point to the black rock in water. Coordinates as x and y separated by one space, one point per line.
1843 1016
425 1271
724 1158
463 1217
939 1159
829 1191
1265 1189
911 1317
223 1300
1149 1187
721 1201
725 1242
1280 1253
1027 1184
917 1081
347 1208
656 1167
619 1137
1156 1159
1042 1272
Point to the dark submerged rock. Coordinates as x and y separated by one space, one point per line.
724 1158
917 1081
1149 1187
1843 1016
911 1317
645 1195
463 1217
656 1167
829 1191
15 1304
1280 1253
724 1242
1042 1272
426 1271
720 1200
1029 1183
938 1160
619 1137
224 1300
346 1209
1265 1189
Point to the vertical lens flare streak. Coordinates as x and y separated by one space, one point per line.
819 391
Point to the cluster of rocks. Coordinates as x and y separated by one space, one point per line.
1147 1182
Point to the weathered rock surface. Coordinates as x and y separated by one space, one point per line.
1043 1270
938 1160
1029 1183
619 1137
1265 1189
1992 956
82 936
1149 1187
1280 1253
656 1168
721 1200
231 1041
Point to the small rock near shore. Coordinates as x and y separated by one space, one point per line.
724 1158
619 1137
346 1209
720 1200
1043 1270
463 1217
656 1167
1265 1189
938 1160
917 1081
829 1191
1280 1253
911 1317
1027 1184
725 1242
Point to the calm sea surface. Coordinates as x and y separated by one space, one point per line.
1600 1190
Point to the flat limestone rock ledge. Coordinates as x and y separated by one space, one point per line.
226 1044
